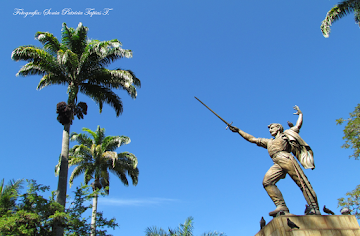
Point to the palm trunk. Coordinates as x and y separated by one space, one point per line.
63 174
93 217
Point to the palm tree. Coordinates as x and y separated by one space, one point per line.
80 64
185 229
96 157
337 12
9 194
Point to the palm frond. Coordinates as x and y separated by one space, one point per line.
69 61
75 160
50 79
78 171
100 133
118 79
187 228
357 16
337 12
110 143
102 95
154 231
31 54
127 159
49 41
31 69
9 194
92 133
81 151
109 51
66 36
134 175
136 81
120 173
81 138
79 39
12 187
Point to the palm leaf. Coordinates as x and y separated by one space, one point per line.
81 138
129 158
49 79
118 79
337 12
79 39
110 143
100 133
134 175
66 36
92 133
49 41
102 95
154 231
80 169
120 173
81 150
9 194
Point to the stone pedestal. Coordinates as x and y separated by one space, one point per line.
313 225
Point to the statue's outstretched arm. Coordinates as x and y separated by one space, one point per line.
246 136
300 118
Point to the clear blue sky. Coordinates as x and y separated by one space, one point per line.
250 61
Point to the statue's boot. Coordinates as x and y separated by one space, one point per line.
315 209
278 200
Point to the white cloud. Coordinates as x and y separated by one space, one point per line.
135 202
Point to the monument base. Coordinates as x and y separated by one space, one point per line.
313 225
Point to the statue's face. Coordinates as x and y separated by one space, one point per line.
274 129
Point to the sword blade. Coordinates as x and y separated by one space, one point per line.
213 112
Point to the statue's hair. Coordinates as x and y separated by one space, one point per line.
278 125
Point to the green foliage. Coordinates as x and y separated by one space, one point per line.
185 229
80 64
94 157
340 10
352 132
32 214
352 201
9 194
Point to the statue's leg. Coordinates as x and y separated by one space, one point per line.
297 174
272 176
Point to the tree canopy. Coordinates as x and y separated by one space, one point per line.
32 214
352 132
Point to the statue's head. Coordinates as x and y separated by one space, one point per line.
274 128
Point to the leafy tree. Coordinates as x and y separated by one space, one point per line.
352 132
96 157
185 229
337 12
32 214
352 202
80 64
9 194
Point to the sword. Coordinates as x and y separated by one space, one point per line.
215 114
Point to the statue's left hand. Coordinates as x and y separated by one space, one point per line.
298 111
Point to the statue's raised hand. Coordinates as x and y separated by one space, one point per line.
234 129
298 111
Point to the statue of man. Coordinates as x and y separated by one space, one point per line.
280 148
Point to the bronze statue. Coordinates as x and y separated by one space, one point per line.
280 148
